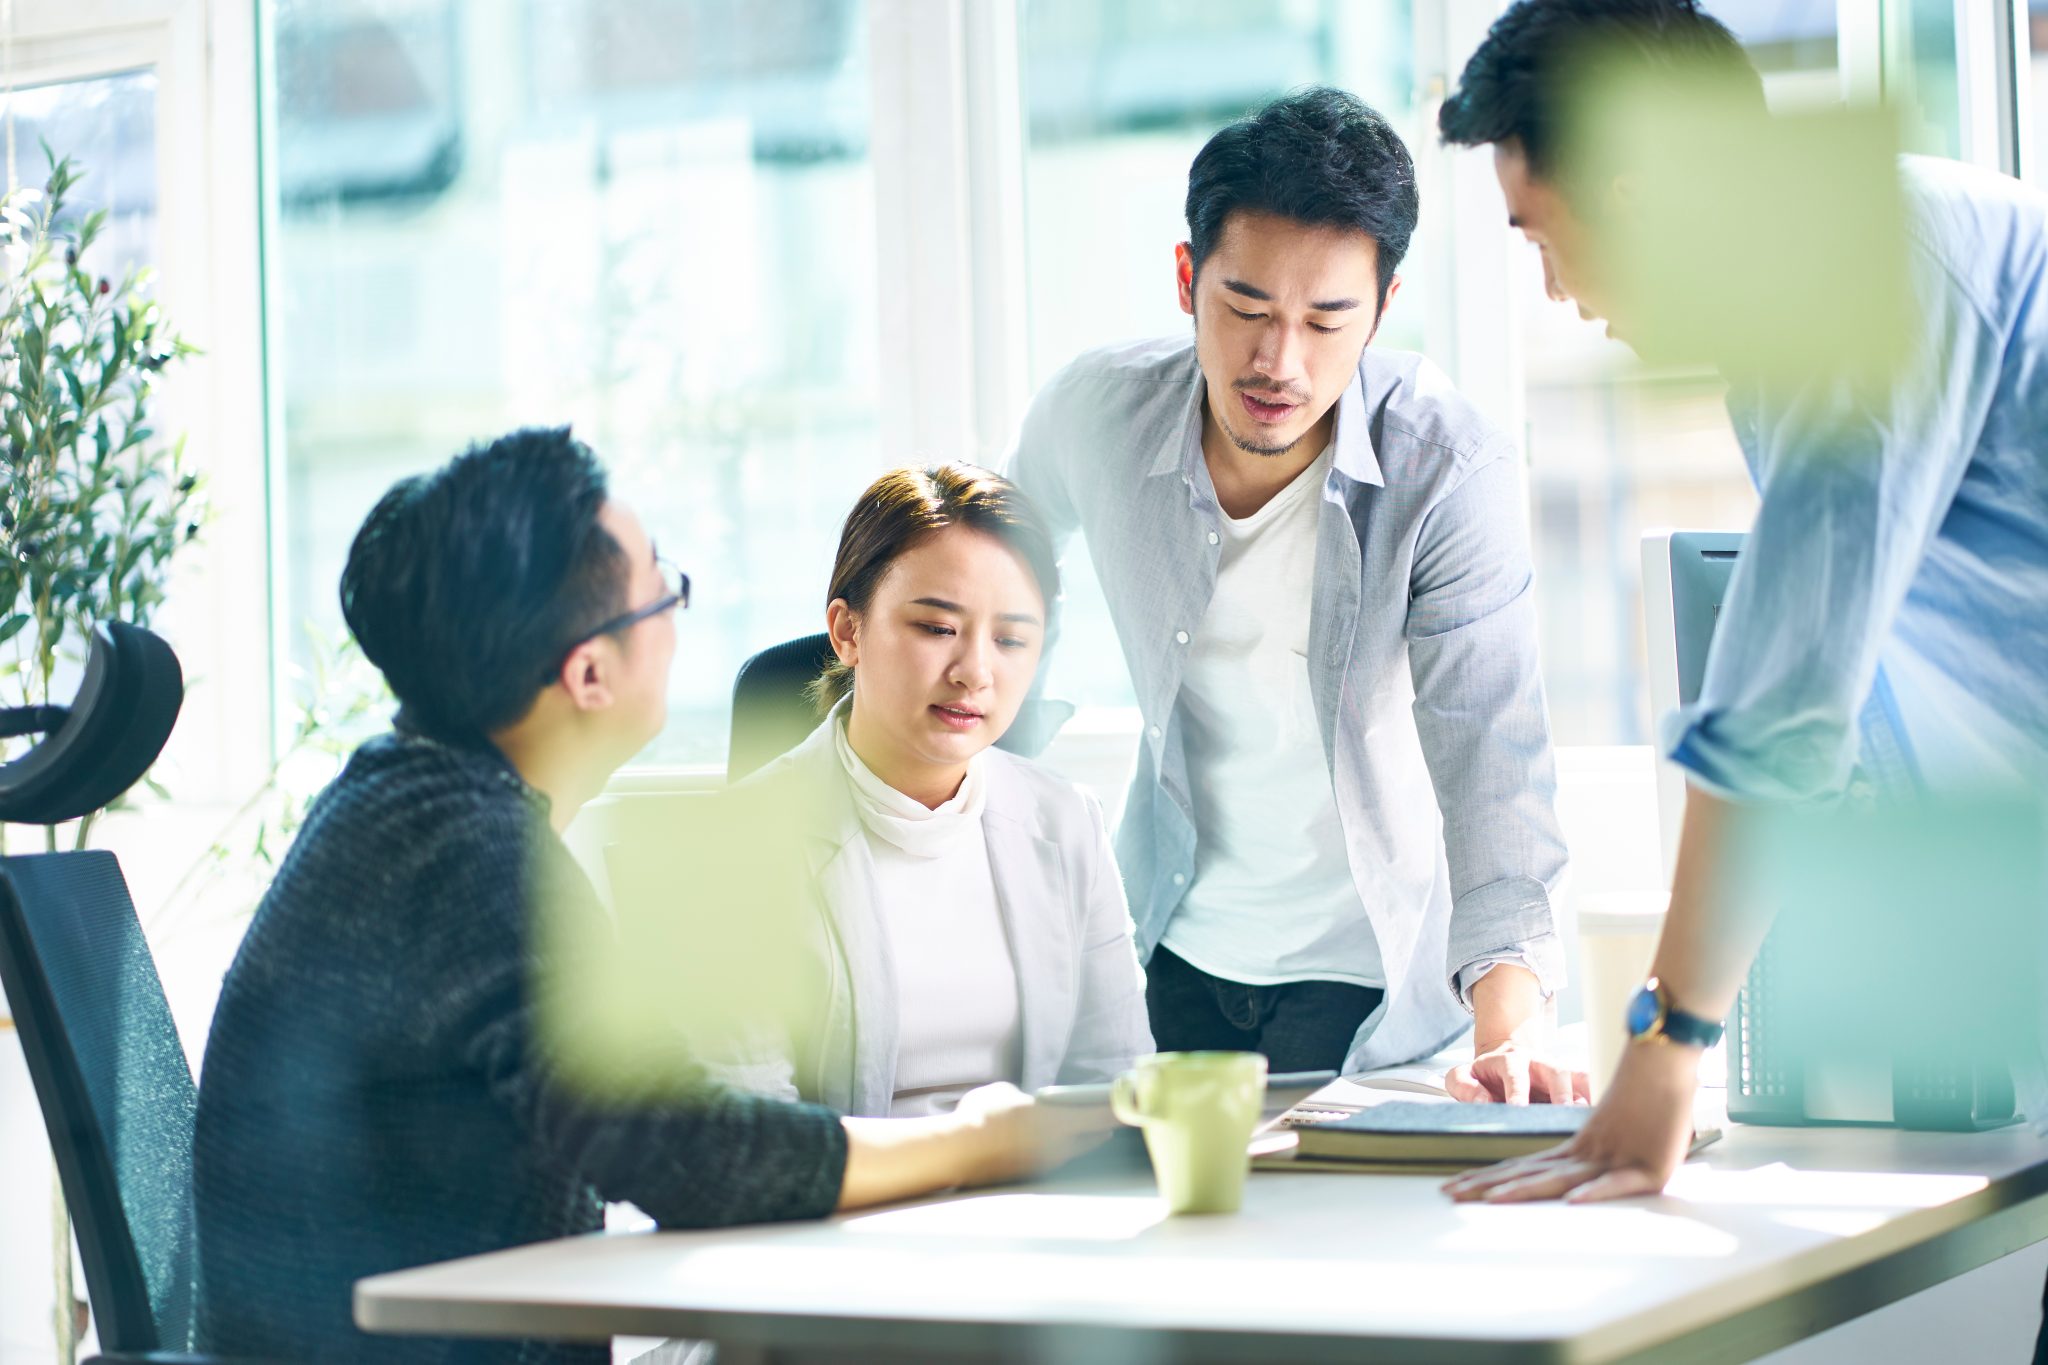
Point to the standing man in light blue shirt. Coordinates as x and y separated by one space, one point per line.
1340 846
1887 610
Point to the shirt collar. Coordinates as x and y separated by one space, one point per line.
1355 458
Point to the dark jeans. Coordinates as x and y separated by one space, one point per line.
1299 1025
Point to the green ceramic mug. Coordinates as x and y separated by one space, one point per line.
1198 1110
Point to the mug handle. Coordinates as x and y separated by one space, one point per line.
1123 1100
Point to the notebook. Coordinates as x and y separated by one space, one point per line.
1437 1133
1420 1137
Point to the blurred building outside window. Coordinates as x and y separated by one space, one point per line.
654 223
657 222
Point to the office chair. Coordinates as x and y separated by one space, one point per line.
771 714
115 1089
109 1072
102 743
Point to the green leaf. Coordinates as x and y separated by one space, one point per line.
12 627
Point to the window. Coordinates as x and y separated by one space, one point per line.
107 125
2033 52
659 222
654 222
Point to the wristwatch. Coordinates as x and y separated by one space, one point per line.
1652 1018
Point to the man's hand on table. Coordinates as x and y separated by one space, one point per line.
1632 1143
1510 1021
1511 1073
998 1133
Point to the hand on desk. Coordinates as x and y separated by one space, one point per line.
1510 1072
1020 1137
1631 1144
998 1133
1511 1029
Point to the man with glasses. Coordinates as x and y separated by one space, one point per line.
375 1094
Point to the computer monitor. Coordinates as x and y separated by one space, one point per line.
1781 1070
1685 576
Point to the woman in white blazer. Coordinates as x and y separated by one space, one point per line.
965 920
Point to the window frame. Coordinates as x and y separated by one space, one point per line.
203 53
947 147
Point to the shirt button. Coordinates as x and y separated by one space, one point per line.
1180 879
1180 637
1154 732
1213 537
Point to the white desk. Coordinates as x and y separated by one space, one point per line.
1774 1235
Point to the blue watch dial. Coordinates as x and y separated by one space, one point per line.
1643 1011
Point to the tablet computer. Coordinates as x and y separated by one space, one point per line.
1283 1092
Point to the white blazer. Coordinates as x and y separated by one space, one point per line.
1080 990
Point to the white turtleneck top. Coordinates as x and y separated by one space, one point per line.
956 980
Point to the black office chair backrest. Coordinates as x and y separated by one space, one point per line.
104 740
771 714
115 1088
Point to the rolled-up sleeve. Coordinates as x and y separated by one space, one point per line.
1855 486
1485 733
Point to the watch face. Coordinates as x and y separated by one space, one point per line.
1642 1012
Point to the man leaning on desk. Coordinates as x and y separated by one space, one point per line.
1887 608
1340 838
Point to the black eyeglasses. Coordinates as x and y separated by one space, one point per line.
677 597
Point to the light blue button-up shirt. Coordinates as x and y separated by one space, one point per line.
1422 658
1897 572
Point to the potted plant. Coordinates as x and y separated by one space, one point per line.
96 504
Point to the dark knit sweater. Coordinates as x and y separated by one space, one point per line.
373 1097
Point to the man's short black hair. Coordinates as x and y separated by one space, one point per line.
1320 156
1518 85
466 584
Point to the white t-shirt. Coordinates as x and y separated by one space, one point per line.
1272 898
956 1002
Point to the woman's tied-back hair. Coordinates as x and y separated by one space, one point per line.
904 507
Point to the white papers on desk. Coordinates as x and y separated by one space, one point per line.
1418 1080
1422 1081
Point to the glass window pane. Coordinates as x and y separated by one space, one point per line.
1921 74
1118 99
107 126
2034 52
654 222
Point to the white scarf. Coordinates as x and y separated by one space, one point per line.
903 821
